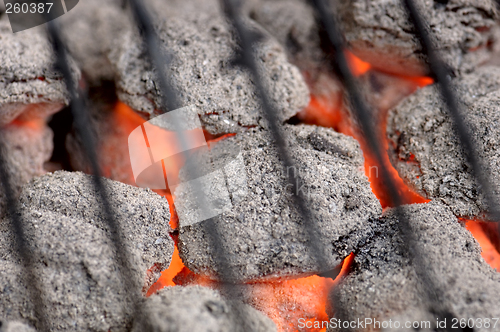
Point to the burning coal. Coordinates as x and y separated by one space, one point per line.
249 264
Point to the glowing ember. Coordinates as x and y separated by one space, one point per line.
116 164
358 67
488 250
327 109
284 301
35 124
168 275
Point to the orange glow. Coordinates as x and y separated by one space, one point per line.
126 117
114 155
117 166
488 250
168 275
421 81
174 219
358 67
35 124
372 171
284 301
214 139
326 109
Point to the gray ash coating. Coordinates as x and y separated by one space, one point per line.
201 47
73 256
89 30
195 308
380 33
15 327
384 285
293 24
426 153
262 235
27 75
26 151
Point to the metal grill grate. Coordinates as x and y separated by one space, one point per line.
246 59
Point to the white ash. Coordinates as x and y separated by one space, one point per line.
143 215
73 256
426 152
15 327
380 33
201 47
27 148
77 270
89 30
383 284
262 234
27 76
293 24
195 308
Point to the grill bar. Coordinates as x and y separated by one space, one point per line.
246 59
82 123
442 76
21 244
170 102
362 112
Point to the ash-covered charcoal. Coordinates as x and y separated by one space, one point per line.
261 230
427 154
143 215
27 147
76 268
201 48
89 30
380 33
293 24
29 85
383 284
195 308
15 327
73 256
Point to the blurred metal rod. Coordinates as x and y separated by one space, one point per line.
363 115
22 247
246 59
160 60
82 123
442 75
